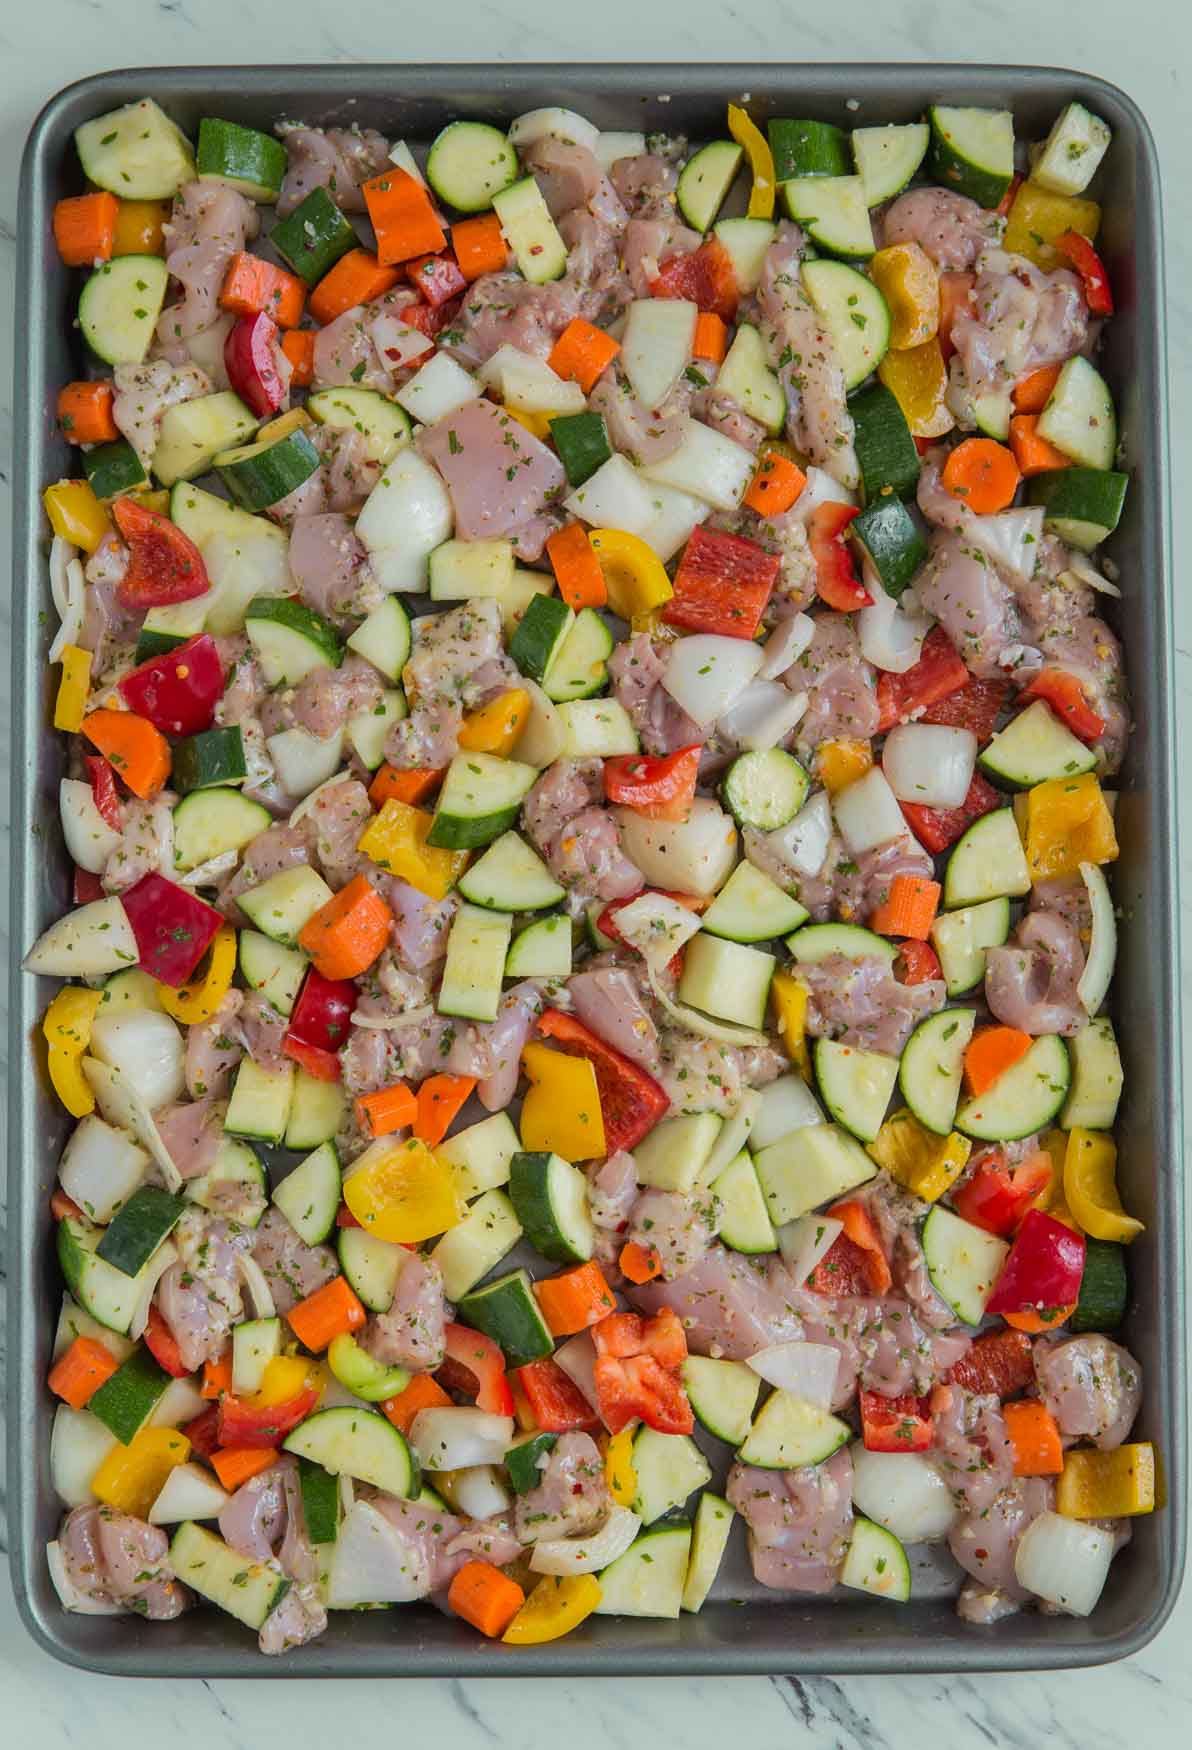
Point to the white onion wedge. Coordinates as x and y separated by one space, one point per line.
930 763
256 1287
904 1492
706 674
120 1104
88 942
1064 1561
587 1555
555 124
806 1370
803 842
148 1049
695 855
657 927
68 588
784 1105
785 645
372 1562
577 1358
189 1492
459 1437
804 1241
1098 968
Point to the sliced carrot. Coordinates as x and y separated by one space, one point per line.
298 344
909 908
859 1227
234 1465
402 216
78 1373
85 228
711 337
581 581
327 1313
485 1597
776 484
1035 1438
422 1393
1033 392
355 278
982 474
85 413
639 1264
139 752
440 1101
479 246
991 1052
1034 1322
414 785
252 285
574 1299
386 1110
346 935
1034 454
217 1377
582 353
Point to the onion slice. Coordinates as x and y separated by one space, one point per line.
806 1370
657 927
256 1287
587 1555
785 645
734 1134
577 1358
165 1255
120 1104
867 813
930 763
804 1241
890 637
68 588
1098 968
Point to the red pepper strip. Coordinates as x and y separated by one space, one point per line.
163 1345
1088 264
323 1012
997 1197
845 1272
938 673
977 706
1000 1361
1043 1269
902 1424
437 277
164 565
203 1432
173 928
103 788
637 1372
475 1368
631 1102
836 580
705 275
324 1066
937 828
917 963
87 886
556 1401
661 788
722 585
178 690
1067 698
242 1424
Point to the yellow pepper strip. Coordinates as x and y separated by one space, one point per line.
132 1477
537 424
495 727
67 1027
76 514
788 999
918 379
555 1606
761 161
70 707
1037 217
561 1113
634 575
395 839
916 1157
1090 1187
841 763
403 1194
1067 823
523 1415
198 1000
907 278
297 419
139 227
619 1470
1107 1485
284 1377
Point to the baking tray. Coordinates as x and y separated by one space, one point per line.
845 1634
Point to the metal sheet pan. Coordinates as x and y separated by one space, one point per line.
846 1635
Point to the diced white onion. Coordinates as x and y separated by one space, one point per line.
459 1437
165 1255
891 637
440 387
656 348
1064 1561
148 1049
555 124
88 942
182 1400
804 1241
528 383
587 1555
304 761
784 1105
477 1491
807 1370
398 342
820 489
79 1443
657 927
1082 570
1098 968
214 869
904 1492
930 763
101 1167
673 515
401 155
1010 537
189 1492
615 497
706 673
764 715
372 1562
67 586
785 645
695 856
707 464
577 1358
256 1287
89 838
405 517
803 842
867 813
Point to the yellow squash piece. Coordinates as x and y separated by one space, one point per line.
907 278
634 575
199 1000
76 514
537 424
139 227
918 379
1090 1187
841 763
1068 823
395 839
284 1377
1107 1485
296 419
70 707
67 1027
619 1471
916 1157
495 727
561 1113
404 1194
761 161
788 999
1037 217
132 1477
555 1606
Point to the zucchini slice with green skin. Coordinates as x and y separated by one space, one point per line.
384 638
1081 505
806 148
101 1290
469 163
963 1262
384 426
886 453
747 241
252 163
833 211
275 971
138 1228
765 788
209 822
579 666
531 233
119 306
317 1111
260 1104
290 639
521 1461
125 1401
723 1395
368 730
213 758
817 941
235 1186
648 1580
164 629
542 950
370 1266
540 634
477 946
669 1468
320 1501
581 440
360 1444
312 238
247 1590
309 1196
892 541
932 1066
193 433
136 152
1026 1098
1104 1288
752 908
961 939
480 1156
507 1311
460 570
705 180
1033 747
746 376
255 1343
972 151
477 1244
258 475
854 313
1079 417
988 862
856 1085
113 468
788 1432
510 877
709 1539
887 158
479 800
876 1563
745 1224
810 1167
596 729
551 1200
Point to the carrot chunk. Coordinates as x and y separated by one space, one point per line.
346 935
356 278
85 413
485 1597
85 228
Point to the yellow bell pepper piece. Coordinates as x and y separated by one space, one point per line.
1068 823
561 1113
918 379
1037 217
841 763
395 839
634 575
67 1027
1090 1187
907 278
537 424
495 727
70 707
1107 1485
916 1157
297 419
76 514
284 1377
619 1470
555 1606
159 502
761 161
198 1000
404 1194
788 999
139 227
132 1477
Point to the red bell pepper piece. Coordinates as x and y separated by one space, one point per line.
917 963
1043 1269
998 1196
429 319
250 360
631 1102
87 887
902 1424
324 1066
319 1023
1067 698
436 277
173 927
103 788
242 1424
475 1368
344 1217
722 585
637 1372
164 565
836 580
178 690
937 828
976 706
999 1362
846 1271
555 1399
705 275
661 788
938 673
203 1432
163 1345
1088 264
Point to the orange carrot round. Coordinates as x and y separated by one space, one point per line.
983 474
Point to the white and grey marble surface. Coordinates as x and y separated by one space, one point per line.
1145 47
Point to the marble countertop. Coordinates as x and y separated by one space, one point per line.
1146 51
